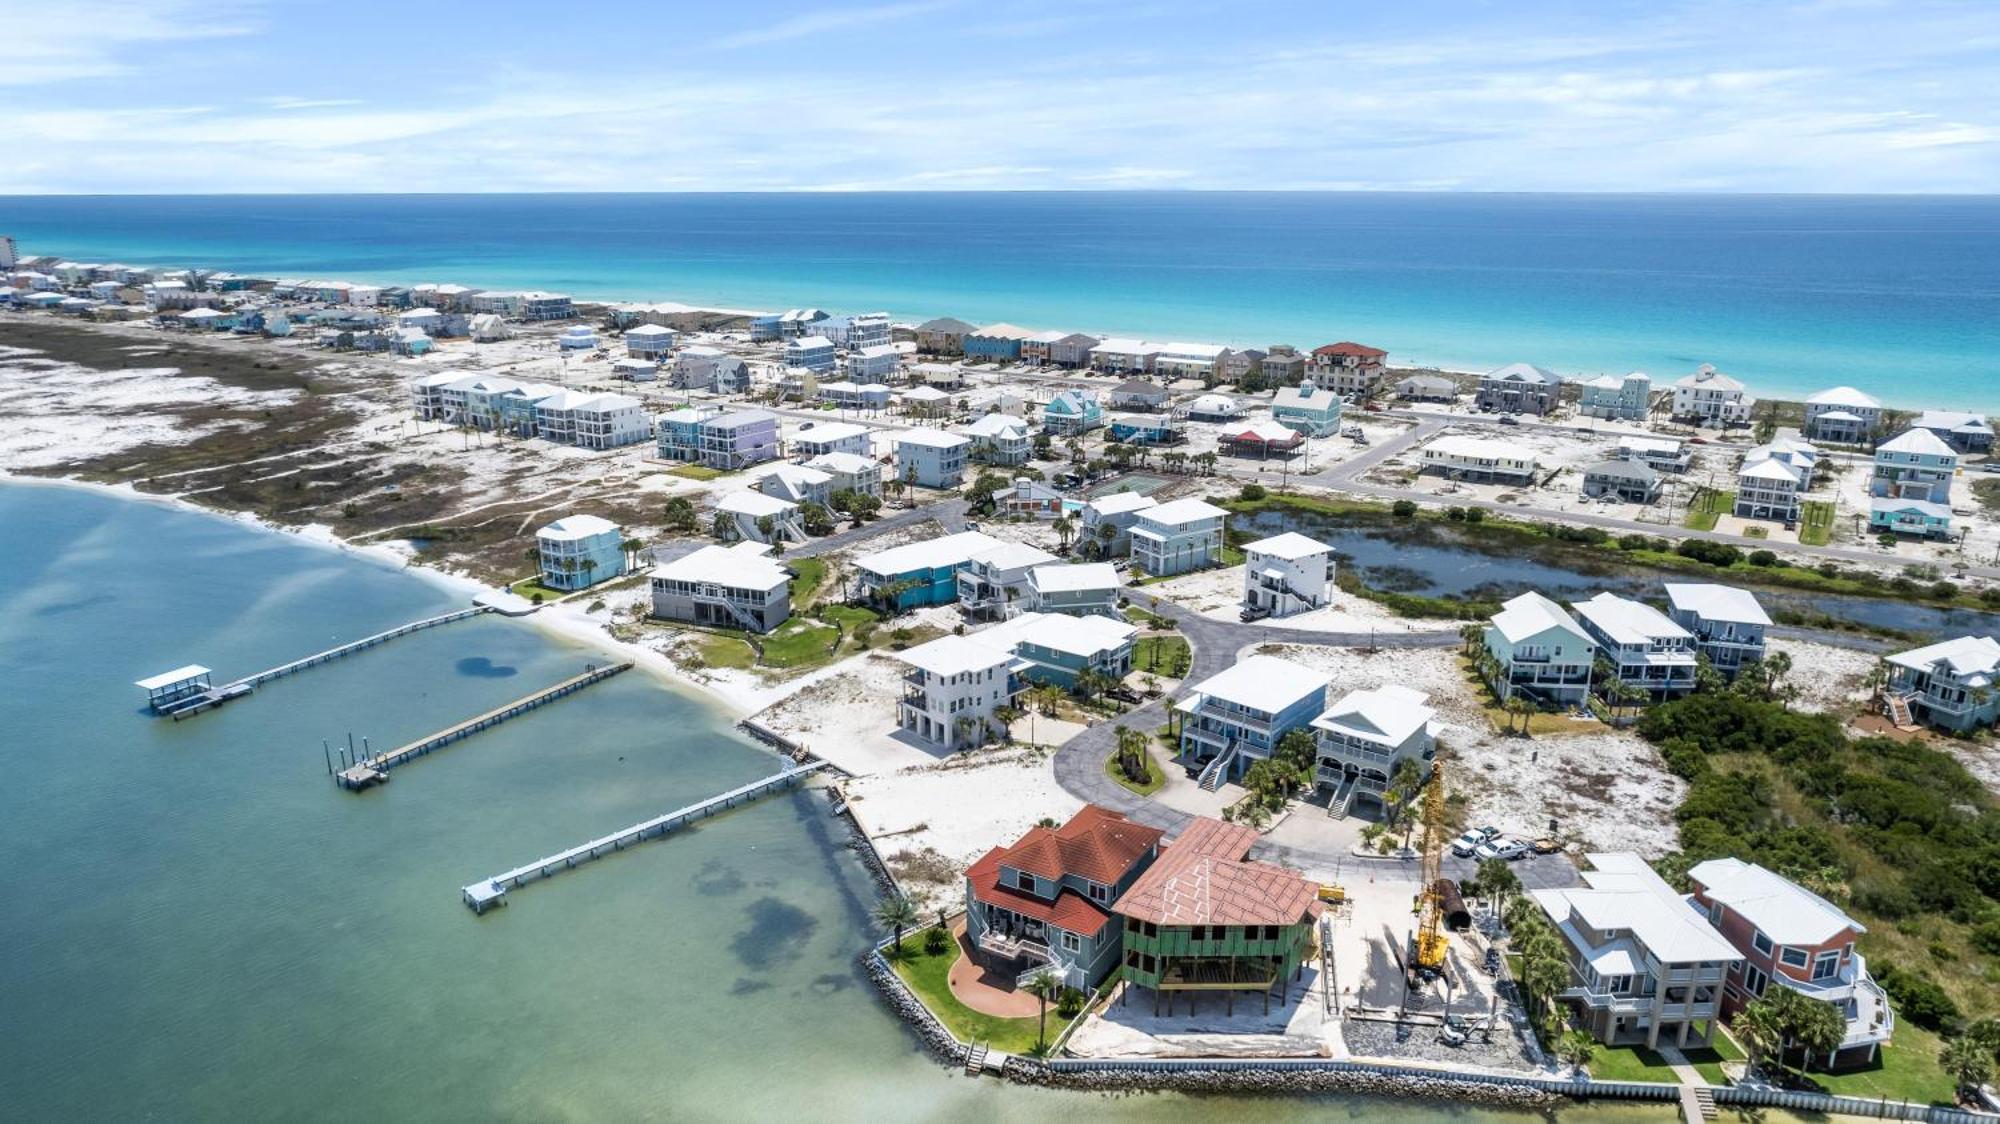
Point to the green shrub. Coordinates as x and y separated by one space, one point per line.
936 939
1763 558
1403 509
1918 998
1251 493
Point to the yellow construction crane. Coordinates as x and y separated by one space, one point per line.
1427 942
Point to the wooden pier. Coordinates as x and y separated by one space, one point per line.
184 703
375 770
492 891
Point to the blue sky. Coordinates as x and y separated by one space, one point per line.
235 95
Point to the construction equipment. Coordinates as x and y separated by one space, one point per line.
1427 941
1332 894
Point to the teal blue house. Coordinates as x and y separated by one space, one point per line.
1917 518
1146 429
579 551
1307 409
1053 649
920 573
1072 412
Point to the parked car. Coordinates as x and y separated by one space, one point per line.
1509 419
1547 846
1505 849
1468 844
1253 613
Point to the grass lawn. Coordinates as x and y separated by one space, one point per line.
1701 514
928 976
1708 1061
850 617
812 571
1630 1063
1154 777
1143 618
696 472
1162 655
1909 1071
1815 522
726 651
528 587
800 643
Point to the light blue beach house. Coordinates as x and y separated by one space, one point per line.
1239 715
920 573
1071 413
1053 649
1915 518
1307 409
680 432
931 458
1540 651
1176 537
1626 399
1950 684
579 551
1147 429
1914 465
739 439
812 353
1000 343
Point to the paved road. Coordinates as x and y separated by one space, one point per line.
951 513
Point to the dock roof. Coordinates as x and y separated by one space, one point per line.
169 678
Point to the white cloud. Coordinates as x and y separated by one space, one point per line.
830 20
92 39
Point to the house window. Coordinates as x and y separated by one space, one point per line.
1132 925
1198 933
1270 932
1794 957
1099 893
1760 942
1826 965
1025 881
1754 980
1152 930
1072 943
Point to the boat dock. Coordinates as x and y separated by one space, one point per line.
184 691
487 892
374 770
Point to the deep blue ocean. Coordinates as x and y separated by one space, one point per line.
1897 295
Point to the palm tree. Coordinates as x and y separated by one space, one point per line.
1498 880
632 547
1044 986
1576 1047
1470 634
1970 1063
1064 527
896 913
723 527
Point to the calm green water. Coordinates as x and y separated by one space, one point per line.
198 925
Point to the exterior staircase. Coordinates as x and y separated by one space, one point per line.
975 1059
1218 769
735 611
1704 1102
1343 799
1898 709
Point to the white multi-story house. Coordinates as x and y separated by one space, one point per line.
1645 647
874 363
1842 415
1120 356
1075 589
1178 360
1176 537
954 686
746 513
1951 684
815 439
849 472
931 458
1519 388
812 353
1239 715
1365 737
1645 966
1967 433
1728 624
609 421
794 483
1629 481
1774 479
1285 574
1661 454
1615 399
650 341
1107 522
724 586
1541 651
1479 458
993 584
1789 936
1914 465
1709 397
427 394
1000 439
578 551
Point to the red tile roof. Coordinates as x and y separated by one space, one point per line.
1348 347
1205 878
1070 911
1096 843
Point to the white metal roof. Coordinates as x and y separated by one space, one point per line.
1531 614
1889 503
1214 404
650 330
997 425
1625 896
1120 503
1074 577
809 342
1772 470
754 504
1783 910
1921 442
1181 512
1125 345
1012 556
1638 444
1078 636
1844 396
1712 602
572 527
845 464
955 655
951 550
1264 683
1708 378
802 474
1290 544
1304 396
1200 352
1480 448
1953 420
1522 372
931 438
924 394
1629 622
744 565
1387 715
169 678
1964 656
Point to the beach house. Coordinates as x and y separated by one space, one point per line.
1919 519
1146 429
739 439
1459 457
999 343
1843 416
943 336
1365 737
1138 394
1518 388
607 421
1072 413
1645 966
873 364
1071 351
650 341
744 516
1044 903
1539 651
679 432
1035 349
1787 936
1661 454
1614 399
1176 537
812 353
1709 397
1347 368
1214 407
1238 715
1308 409
1645 648
1075 589
537 305
1427 388
920 573
427 394
931 458
577 337
1107 522
1181 360
1059 650
952 690
1965 433
925 402
993 583
1914 465
1728 624
1950 684
736 586
796 322
1124 356
794 483
1286 574
1243 364
578 551
868 397
1774 478
849 472
815 439
858 332
1027 498
700 367
1205 918
1282 365
1628 481
999 439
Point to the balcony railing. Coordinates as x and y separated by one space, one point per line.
1012 947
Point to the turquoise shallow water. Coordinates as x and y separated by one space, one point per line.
199 926
1897 295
